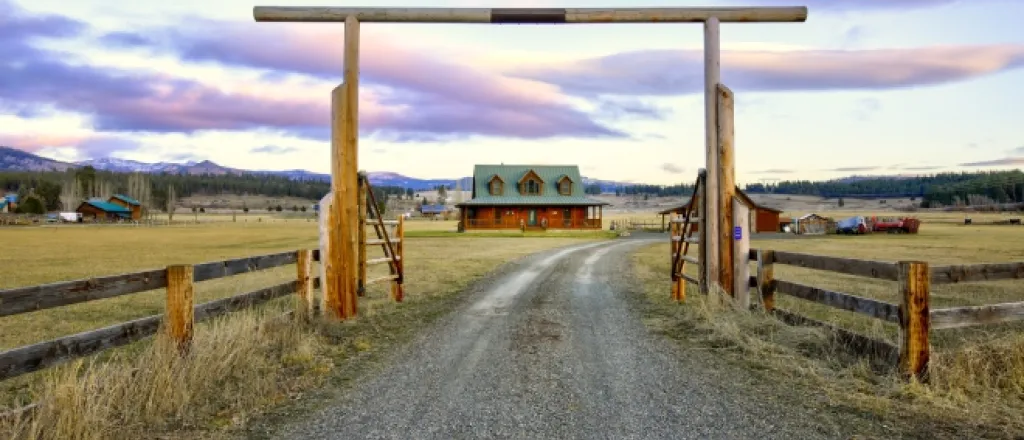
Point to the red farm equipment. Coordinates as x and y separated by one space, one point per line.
907 225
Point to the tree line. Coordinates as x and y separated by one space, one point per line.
936 189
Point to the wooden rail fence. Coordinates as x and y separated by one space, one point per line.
913 314
180 315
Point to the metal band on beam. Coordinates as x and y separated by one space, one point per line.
531 15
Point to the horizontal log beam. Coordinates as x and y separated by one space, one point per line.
221 269
45 354
977 272
855 341
47 296
850 266
683 220
864 306
977 315
531 15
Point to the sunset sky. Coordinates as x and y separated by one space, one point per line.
863 87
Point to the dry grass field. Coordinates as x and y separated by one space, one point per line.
241 364
977 374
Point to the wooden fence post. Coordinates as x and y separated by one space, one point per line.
741 254
304 289
397 292
179 309
915 283
766 278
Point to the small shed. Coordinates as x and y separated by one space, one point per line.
99 209
811 224
129 203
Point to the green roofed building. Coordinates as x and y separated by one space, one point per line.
530 196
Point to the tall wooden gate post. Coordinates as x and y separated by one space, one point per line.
711 247
350 130
726 186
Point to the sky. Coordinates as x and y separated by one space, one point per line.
862 87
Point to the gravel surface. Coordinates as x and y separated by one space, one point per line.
551 350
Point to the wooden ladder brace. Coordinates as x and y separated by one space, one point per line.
395 259
682 246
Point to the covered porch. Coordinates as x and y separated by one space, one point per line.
531 217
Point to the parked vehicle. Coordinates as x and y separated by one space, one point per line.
852 225
896 225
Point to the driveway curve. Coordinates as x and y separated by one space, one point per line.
551 350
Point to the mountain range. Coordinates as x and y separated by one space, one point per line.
12 159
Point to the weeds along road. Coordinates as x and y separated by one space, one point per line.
551 350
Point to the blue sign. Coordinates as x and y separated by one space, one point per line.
737 232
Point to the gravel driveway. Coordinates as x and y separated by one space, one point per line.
551 350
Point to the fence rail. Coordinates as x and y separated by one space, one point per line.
180 314
912 315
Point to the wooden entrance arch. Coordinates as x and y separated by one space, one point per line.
340 287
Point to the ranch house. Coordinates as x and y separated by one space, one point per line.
762 218
529 196
434 211
118 207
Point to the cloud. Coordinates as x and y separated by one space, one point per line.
672 168
1019 150
424 98
775 171
622 108
273 149
680 72
1006 161
855 169
38 80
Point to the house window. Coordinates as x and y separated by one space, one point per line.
565 187
532 187
496 187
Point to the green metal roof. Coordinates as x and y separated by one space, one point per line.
511 174
106 206
126 199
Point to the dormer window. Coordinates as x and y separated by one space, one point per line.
532 187
496 186
531 184
565 186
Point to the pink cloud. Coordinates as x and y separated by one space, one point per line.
661 73
411 94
